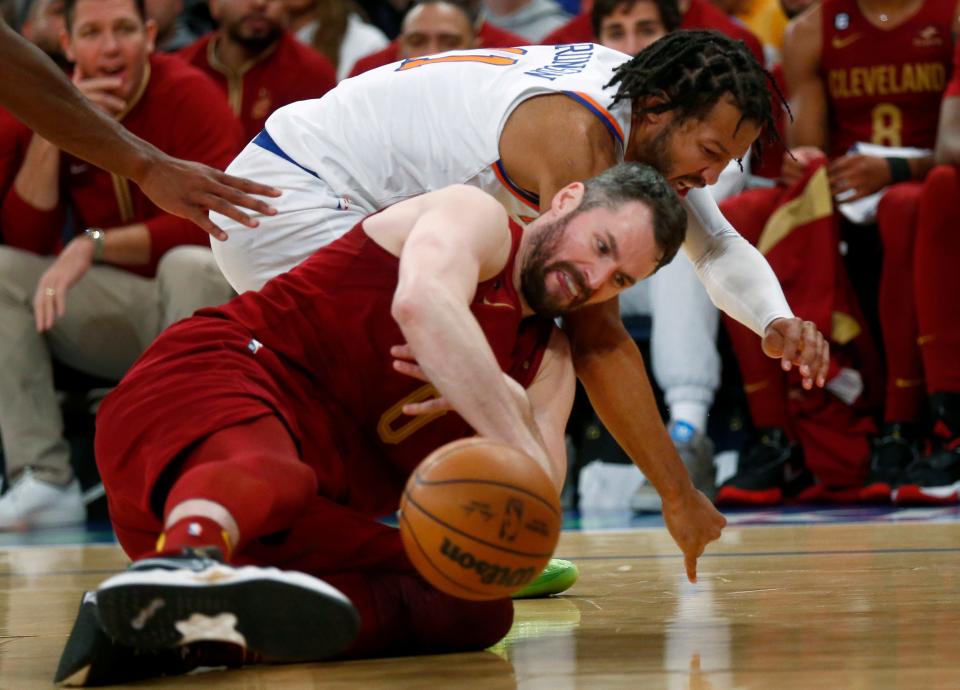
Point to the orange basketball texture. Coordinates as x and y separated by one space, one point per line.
479 519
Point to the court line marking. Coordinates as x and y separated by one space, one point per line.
648 557
755 554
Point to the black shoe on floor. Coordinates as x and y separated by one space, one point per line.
90 658
934 479
770 469
931 480
279 615
893 450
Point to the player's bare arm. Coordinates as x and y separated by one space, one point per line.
807 134
37 92
548 142
947 150
948 132
439 272
551 396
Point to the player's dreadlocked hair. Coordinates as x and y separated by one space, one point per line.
691 71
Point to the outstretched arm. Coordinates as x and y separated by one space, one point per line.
605 358
37 93
742 284
439 272
611 368
551 396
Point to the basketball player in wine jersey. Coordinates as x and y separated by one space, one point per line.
278 428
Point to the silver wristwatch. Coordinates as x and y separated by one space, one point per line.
96 236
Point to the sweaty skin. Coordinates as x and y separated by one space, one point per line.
606 359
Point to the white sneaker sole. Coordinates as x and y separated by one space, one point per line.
283 615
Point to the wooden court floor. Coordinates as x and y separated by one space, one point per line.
808 607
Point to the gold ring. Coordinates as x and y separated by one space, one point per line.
50 292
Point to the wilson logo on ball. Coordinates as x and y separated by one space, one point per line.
488 572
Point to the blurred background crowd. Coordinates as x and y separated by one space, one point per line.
854 206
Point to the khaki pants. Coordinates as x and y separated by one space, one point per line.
111 317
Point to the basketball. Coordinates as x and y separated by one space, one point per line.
479 519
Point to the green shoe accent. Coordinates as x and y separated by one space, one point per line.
557 577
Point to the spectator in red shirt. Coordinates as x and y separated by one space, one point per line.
631 25
486 36
697 14
99 302
435 26
259 65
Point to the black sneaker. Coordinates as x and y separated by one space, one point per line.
893 450
770 469
935 477
90 658
932 480
279 615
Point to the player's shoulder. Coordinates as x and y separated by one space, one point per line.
473 199
804 32
566 122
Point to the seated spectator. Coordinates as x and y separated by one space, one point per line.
99 301
532 19
697 14
173 31
256 62
335 30
798 230
485 36
43 26
631 25
435 26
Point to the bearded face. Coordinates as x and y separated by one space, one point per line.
551 286
255 26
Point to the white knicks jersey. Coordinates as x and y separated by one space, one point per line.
422 124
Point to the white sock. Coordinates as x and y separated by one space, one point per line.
691 412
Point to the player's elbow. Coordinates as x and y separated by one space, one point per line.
419 301
408 307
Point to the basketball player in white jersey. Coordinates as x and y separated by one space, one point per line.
521 123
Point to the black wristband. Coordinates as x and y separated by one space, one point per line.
899 170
